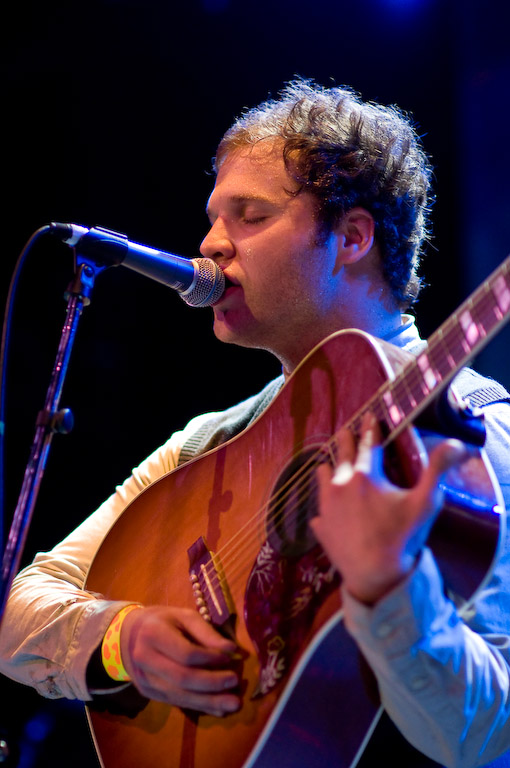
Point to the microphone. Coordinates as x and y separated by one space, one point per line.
199 282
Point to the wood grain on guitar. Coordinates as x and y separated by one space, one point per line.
230 531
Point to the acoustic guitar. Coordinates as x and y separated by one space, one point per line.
228 533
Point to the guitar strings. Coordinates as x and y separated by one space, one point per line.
294 485
295 482
301 485
244 541
409 382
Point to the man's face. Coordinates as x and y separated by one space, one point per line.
281 286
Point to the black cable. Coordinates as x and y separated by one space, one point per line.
4 354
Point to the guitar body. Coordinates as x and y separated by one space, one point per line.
302 675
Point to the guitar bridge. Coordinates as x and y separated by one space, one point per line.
210 589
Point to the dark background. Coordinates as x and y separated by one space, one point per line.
111 113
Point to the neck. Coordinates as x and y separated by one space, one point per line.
364 304
376 324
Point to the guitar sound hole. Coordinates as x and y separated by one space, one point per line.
293 503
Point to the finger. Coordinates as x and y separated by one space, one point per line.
215 705
446 455
218 706
163 673
198 641
345 454
343 474
323 475
158 675
209 704
175 634
200 691
441 459
369 455
346 446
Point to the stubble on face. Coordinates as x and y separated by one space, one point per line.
277 263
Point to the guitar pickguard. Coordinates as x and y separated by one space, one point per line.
282 597
291 576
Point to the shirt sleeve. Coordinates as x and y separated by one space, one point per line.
51 624
444 671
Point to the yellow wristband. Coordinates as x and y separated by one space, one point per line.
110 647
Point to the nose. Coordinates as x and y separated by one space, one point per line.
217 245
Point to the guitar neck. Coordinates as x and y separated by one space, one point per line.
458 340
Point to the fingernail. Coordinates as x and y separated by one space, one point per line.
230 682
232 705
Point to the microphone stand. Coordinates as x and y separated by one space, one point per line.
49 421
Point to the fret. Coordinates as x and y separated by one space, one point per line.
490 308
452 339
408 389
483 314
430 379
501 291
355 423
443 339
409 394
470 329
495 310
393 409
411 387
379 408
490 303
398 402
439 361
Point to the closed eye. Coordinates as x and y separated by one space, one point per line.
253 219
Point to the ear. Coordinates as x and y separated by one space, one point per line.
355 234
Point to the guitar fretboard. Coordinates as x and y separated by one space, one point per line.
458 340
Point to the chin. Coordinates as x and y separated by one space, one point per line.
229 334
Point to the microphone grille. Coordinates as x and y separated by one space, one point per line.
209 284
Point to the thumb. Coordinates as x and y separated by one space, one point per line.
444 456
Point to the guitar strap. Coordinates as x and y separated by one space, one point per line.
479 390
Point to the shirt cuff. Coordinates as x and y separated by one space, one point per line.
410 626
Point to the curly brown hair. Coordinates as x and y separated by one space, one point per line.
349 153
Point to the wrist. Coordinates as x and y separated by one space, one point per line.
370 588
111 656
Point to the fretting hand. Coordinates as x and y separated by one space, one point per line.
371 529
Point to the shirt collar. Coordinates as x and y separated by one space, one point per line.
407 336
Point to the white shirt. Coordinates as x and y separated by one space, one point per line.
443 679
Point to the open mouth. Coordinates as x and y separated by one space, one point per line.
230 285
230 288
